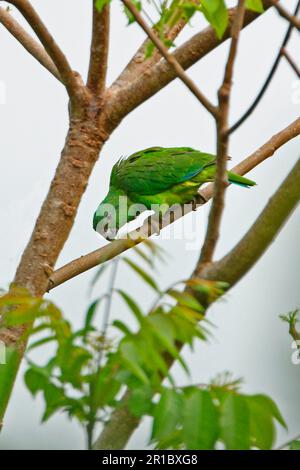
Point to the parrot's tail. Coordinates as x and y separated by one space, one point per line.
240 180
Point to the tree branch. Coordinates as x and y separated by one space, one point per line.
123 99
170 58
259 237
244 255
111 250
292 63
32 46
99 50
69 78
285 14
215 215
139 64
269 78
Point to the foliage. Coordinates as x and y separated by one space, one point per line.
292 318
88 370
208 416
168 13
294 445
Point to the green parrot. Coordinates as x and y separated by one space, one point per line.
155 178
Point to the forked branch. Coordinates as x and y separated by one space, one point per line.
170 58
68 76
99 50
28 42
285 14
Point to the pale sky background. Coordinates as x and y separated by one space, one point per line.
248 339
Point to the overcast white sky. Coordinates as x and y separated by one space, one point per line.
249 340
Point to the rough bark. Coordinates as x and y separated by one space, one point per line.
83 143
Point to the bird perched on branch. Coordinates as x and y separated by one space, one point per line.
155 178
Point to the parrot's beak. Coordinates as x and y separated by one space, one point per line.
104 226
106 232
110 234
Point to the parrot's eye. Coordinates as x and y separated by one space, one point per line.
107 216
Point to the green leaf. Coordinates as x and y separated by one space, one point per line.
7 374
269 405
35 380
235 422
294 445
186 299
132 305
54 398
145 276
21 315
41 342
122 327
104 386
164 331
190 315
143 256
173 441
100 4
155 250
189 9
73 360
215 12
153 358
131 18
186 331
91 312
150 47
76 409
130 356
261 424
255 5
140 401
97 276
167 414
200 420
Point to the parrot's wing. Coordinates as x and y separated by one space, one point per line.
156 169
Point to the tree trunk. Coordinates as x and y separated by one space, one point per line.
84 140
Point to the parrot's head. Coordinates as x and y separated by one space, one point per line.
111 214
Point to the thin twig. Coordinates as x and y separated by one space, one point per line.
127 94
291 61
215 215
30 44
111 250
268 80
69 78
107 311
285 14
139 63
99 50
170 59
